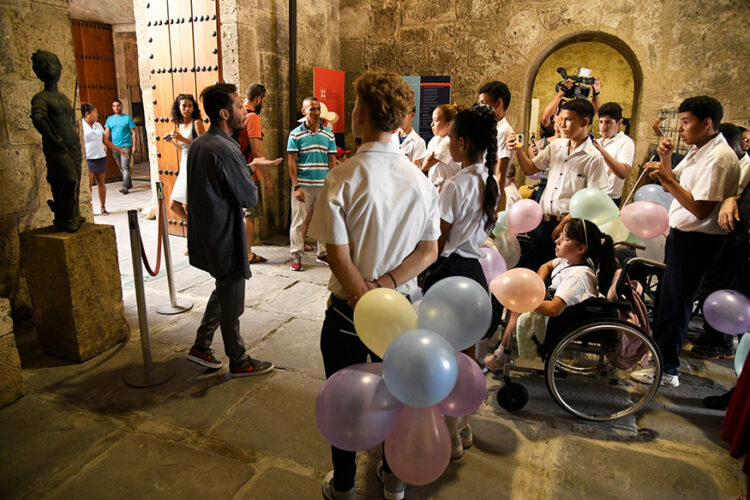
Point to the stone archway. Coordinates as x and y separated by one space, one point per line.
587 36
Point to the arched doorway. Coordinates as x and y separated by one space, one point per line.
608 57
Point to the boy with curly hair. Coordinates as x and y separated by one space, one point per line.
379 218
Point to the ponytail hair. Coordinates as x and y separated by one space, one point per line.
448 111
600 249
478 125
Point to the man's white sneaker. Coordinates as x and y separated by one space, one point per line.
647 377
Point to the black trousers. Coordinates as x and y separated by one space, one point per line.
542 244
688 256
224 308
341 348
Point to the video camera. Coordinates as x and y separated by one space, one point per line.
577 90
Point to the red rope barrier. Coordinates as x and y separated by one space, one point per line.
158 247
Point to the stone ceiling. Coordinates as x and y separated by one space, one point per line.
103 11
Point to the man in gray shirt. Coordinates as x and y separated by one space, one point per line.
219 187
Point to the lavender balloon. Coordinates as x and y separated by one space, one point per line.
354 410
468 393
728 311
492 263
655 193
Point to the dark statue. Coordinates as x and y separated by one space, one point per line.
53 117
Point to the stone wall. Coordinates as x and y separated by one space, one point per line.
28 25
255 48
681 47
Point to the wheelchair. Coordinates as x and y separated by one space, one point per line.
588 355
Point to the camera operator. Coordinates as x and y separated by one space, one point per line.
617 149
565 87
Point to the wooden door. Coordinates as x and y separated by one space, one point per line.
184 55
95 65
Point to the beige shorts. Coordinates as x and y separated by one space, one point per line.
257 211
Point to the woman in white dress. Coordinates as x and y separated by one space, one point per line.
186 116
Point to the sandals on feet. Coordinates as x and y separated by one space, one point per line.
257 259
104 211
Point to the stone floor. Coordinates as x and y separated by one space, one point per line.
80 432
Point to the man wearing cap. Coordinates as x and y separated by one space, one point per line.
311 150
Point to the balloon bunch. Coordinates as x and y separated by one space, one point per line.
422 377
645 218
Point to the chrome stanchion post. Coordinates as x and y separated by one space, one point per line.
174 306
150 374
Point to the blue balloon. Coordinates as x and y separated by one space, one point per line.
420 368
741 355
655 193
458 309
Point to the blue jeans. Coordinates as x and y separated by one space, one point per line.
124 164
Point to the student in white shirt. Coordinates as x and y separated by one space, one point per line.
379 217
468 210
438 162
584 265
707 175
408 141
617 149
572 163
496 95
722 274
512 194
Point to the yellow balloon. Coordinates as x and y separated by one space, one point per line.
616 229
380 316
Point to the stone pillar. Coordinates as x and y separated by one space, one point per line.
11 383
74 283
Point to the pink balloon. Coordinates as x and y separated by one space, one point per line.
468 393
524 216
492 263
355 410
520 289
418 448
645 219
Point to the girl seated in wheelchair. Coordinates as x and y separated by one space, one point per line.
585 264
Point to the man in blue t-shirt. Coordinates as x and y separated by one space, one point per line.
119 131
311 150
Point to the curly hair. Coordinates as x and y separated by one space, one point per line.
478 126
386 96
177 115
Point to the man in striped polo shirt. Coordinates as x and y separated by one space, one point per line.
311 150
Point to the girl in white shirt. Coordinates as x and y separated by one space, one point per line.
468 206
581 251
96 152
438 162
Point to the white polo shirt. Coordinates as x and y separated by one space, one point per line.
621 148
744 173
503 131
445 168
413 146
381 206
512 194
461 206
92 139
573 284
569 173
710 173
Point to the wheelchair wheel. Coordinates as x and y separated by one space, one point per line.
583 381
512 396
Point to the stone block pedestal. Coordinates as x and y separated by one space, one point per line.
11 383
74 283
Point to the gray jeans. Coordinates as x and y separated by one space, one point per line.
124 164
224 308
